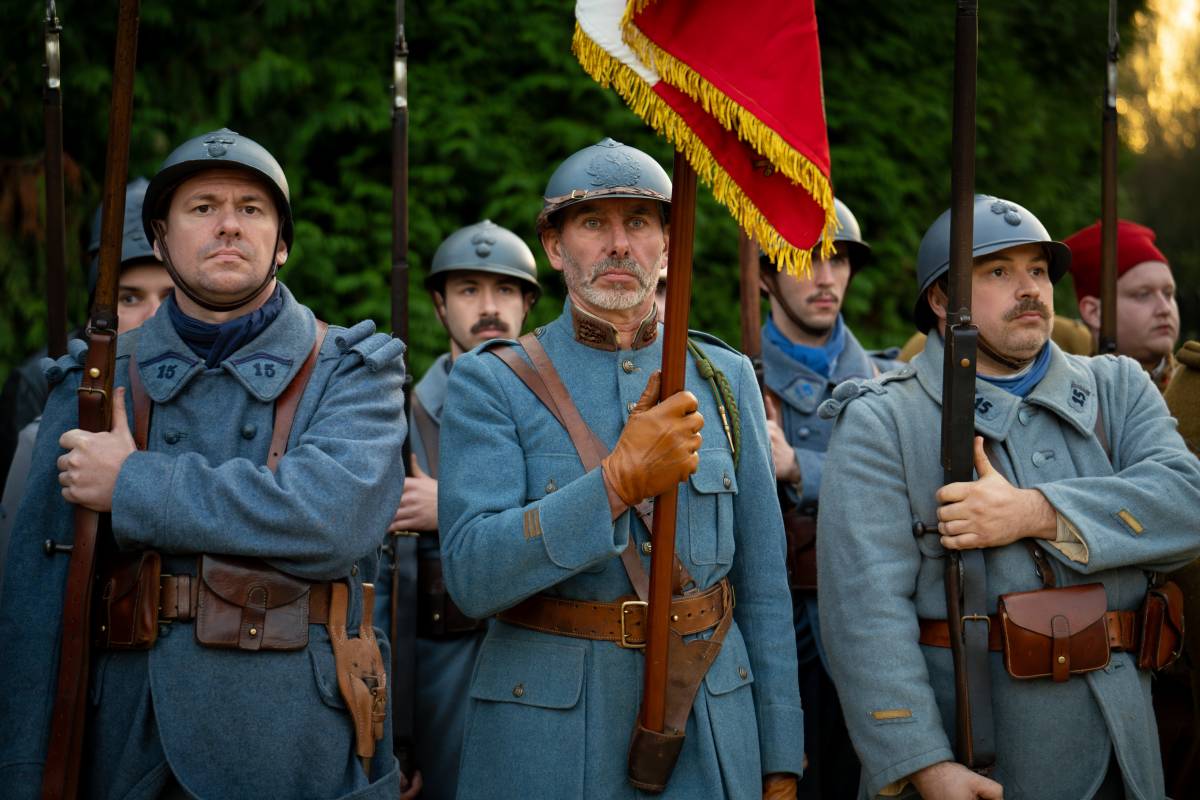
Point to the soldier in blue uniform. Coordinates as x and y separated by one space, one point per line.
1084 490
221 680
807 350
483 282
556 551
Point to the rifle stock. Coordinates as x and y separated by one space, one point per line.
60 776
966 575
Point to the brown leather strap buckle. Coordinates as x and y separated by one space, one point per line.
624 642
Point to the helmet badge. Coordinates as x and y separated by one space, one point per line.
1012 215
613 169
483 244
217 145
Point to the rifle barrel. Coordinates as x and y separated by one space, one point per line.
1108 193
56 225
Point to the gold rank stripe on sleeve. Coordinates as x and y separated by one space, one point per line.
1131 521
533 524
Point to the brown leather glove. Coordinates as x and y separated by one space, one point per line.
658 447
779 786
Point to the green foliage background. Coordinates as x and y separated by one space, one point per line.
497 100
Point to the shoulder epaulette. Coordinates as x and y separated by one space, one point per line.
56 370
847 391
376 350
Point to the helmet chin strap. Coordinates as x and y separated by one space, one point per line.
193 295
1012 363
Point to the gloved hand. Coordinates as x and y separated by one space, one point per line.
779 786
658 447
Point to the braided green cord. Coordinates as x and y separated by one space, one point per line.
723 393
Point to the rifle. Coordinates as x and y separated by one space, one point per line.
60 777
56 226
751 308
966 575
1108 193
402 632
674 363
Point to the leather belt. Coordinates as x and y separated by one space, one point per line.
178 600
621 621
1122 631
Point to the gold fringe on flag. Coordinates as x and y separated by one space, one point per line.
642 99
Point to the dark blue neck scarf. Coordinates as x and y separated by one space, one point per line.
1022 384
820 360
215 343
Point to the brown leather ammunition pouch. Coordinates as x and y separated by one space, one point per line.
801 532
1161 621
361 677
246 605
129 590
1055 633
437 615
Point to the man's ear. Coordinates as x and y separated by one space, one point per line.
281 255
1089 311
439 306
157 252
935 296
552 243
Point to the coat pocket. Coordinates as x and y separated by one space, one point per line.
526 713
710 508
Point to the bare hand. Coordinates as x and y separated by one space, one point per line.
990 511
948 780
418 504
779 786
787 469
411 788
88 470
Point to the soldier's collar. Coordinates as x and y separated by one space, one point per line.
602 335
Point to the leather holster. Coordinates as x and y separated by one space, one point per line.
801 530
1160 621
129 600
245 604
1055 633
361 677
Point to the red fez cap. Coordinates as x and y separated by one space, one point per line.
1135 244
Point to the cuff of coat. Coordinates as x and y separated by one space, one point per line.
576 525
781 737
141 498
810 462
894 773
1069 541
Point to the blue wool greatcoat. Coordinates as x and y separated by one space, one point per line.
1136 513
801 392
226 723
557 712
443 666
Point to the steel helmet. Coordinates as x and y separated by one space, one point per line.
605 169
223 148
998 225
134 246
484 247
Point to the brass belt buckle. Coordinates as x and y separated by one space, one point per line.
624 635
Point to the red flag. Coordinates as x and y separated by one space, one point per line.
737 88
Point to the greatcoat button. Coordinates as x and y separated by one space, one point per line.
519 690
804 432
727 481
629 406
647 548
171 437
551 486
627 365
248 431
1024 415
743 673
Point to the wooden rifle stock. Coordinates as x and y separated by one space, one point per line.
1108 194
751 304
56 225
966 575
60 776
674 364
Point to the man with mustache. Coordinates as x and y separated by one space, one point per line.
248 473
1147 312
807 350
1084 490
483 282
544 526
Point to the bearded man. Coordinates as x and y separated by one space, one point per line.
543 524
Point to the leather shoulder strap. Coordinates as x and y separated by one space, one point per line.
430 434
289 399
143 406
